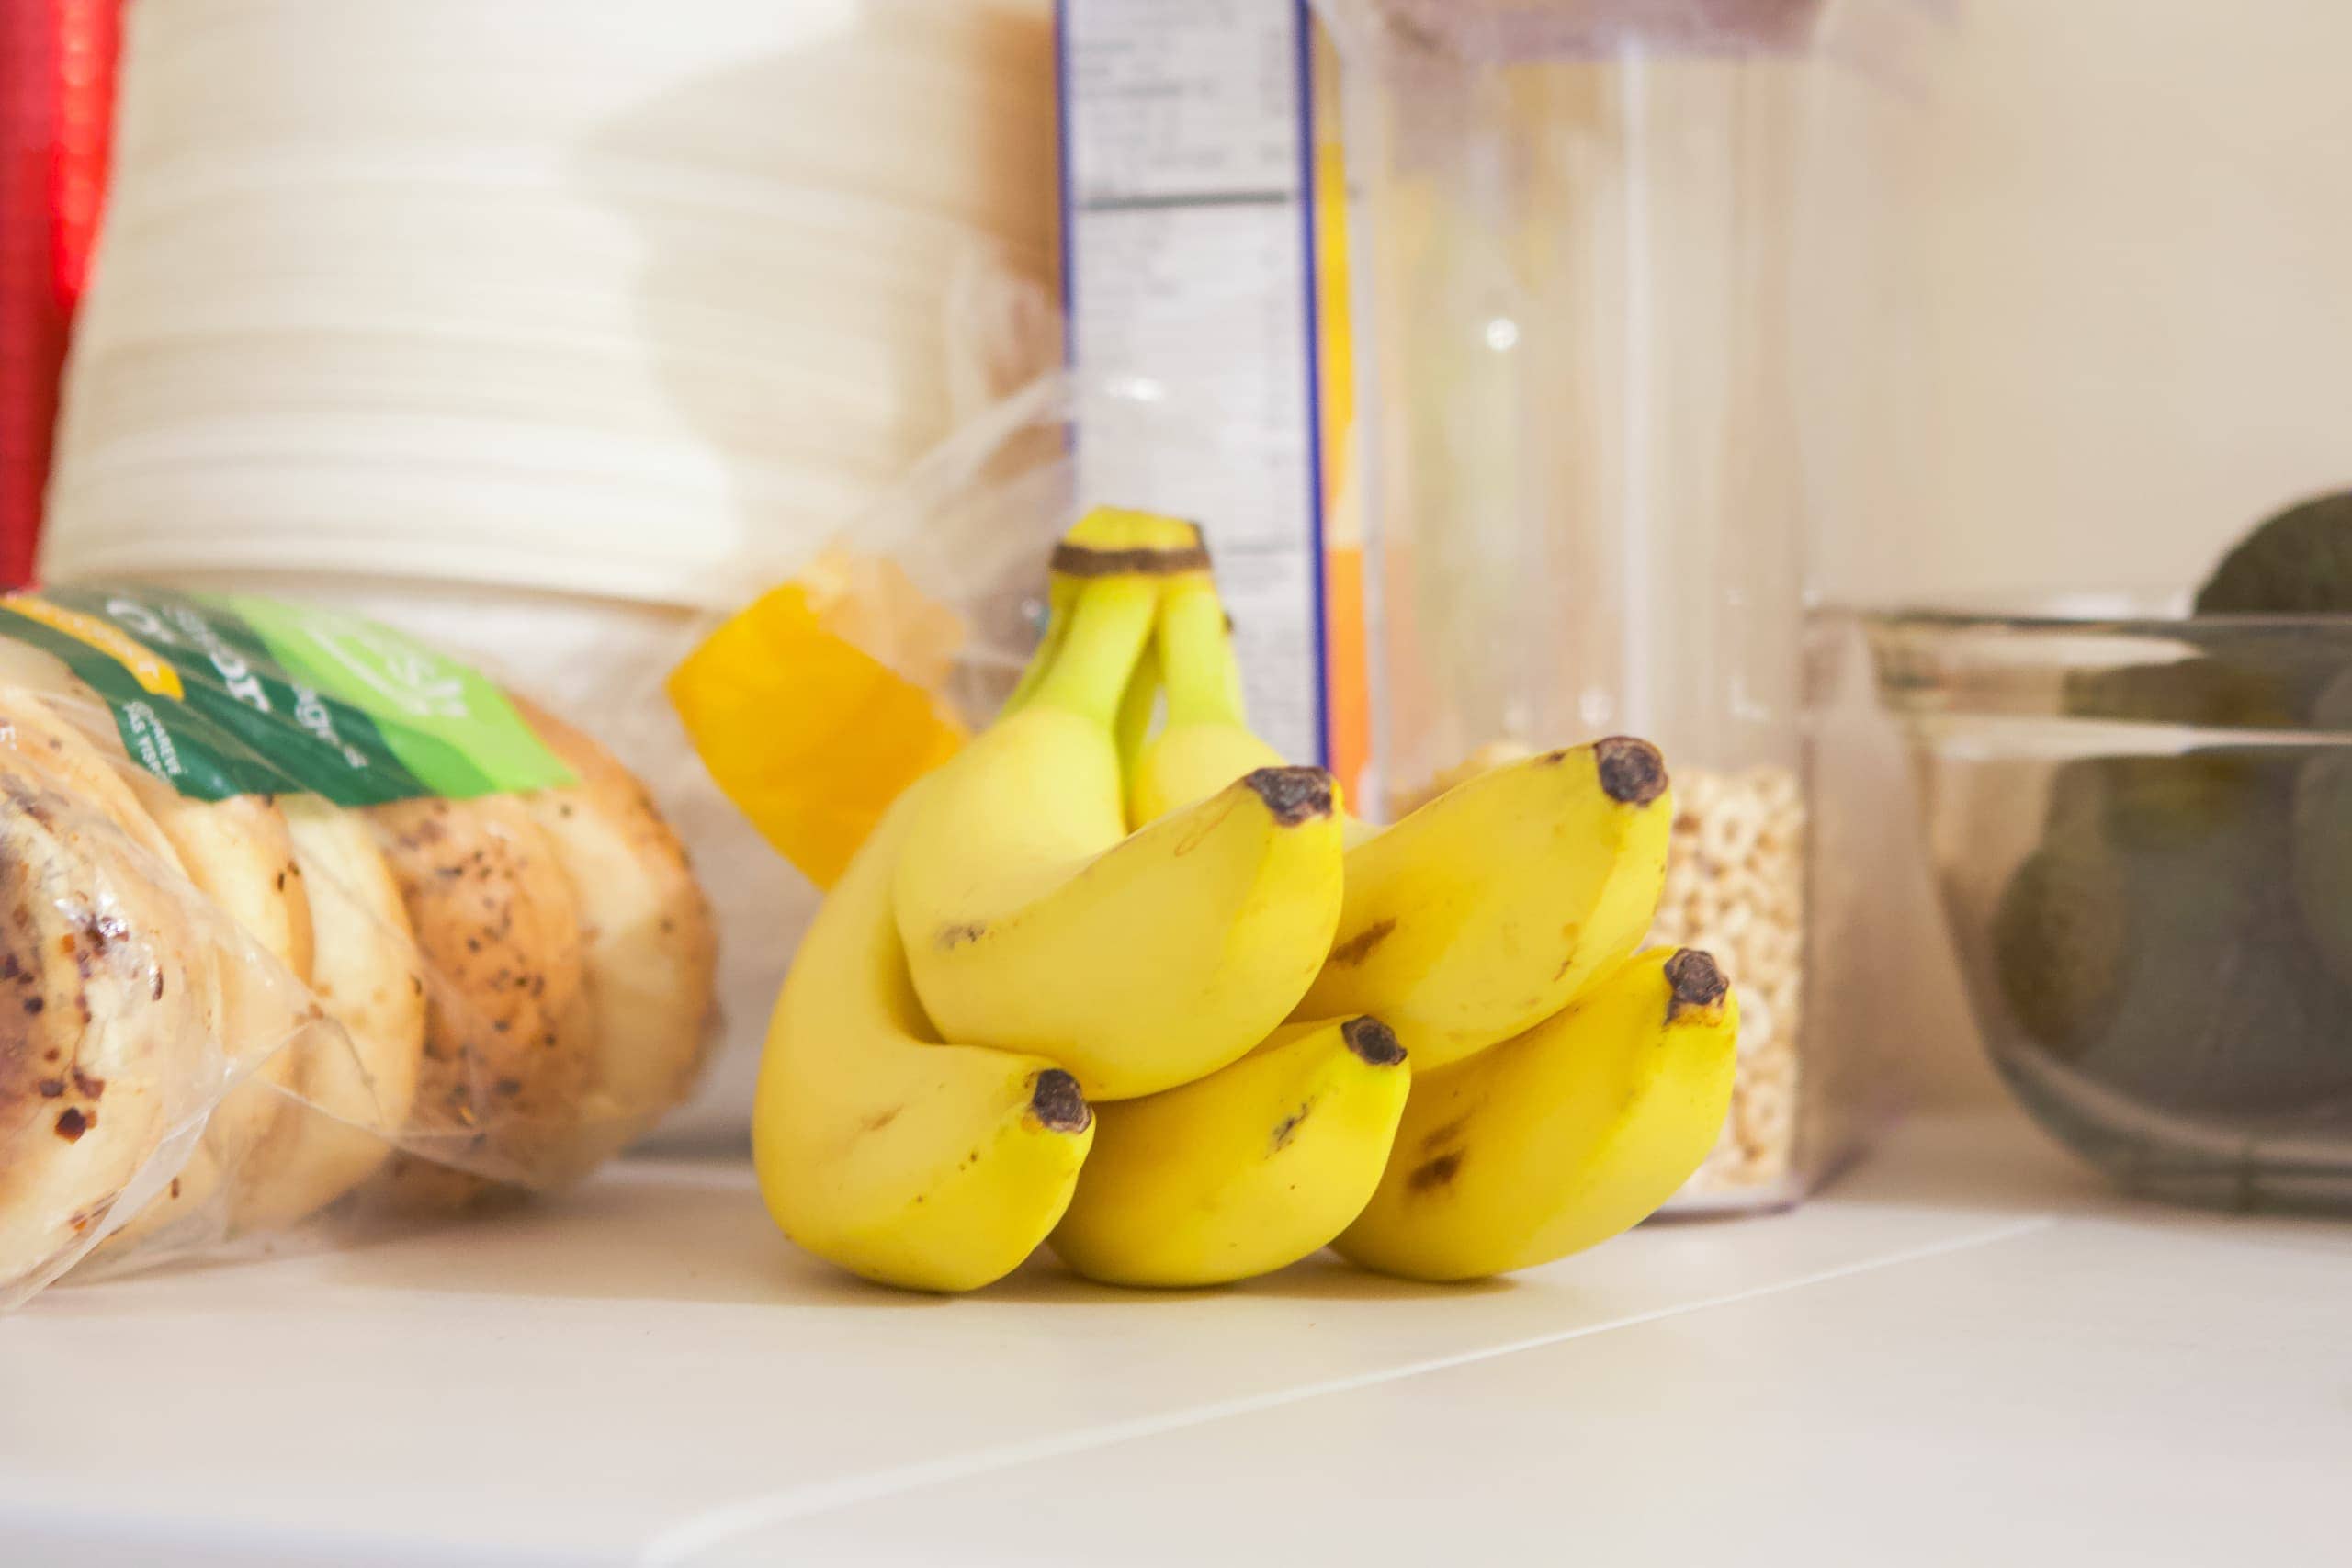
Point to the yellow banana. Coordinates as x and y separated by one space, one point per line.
1041 789
1154 964
1205 742
933 1167
1489 909
1563 1137
1472 919
1247 1170
1032 923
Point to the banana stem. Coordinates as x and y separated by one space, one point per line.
1109 626
1197 658
1124 529
1061 595
1138 706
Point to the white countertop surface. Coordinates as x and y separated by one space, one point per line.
1966 1351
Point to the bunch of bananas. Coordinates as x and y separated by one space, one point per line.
1118 980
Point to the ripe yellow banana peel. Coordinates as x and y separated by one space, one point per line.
1244 1172
1204 741
1491 907
1476 916
1033 922
1563 1137
930 1165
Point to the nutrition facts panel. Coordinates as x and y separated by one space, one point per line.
1189 297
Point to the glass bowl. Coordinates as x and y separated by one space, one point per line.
2140 831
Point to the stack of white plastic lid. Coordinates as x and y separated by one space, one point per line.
622 298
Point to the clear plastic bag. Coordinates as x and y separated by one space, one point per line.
823 699
307 923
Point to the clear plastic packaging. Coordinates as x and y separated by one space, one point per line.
1588 239
307 923
606 657
907 630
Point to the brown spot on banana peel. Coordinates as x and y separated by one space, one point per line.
1287 1128
1572 934
882 1119
1372 1041
951 937
1693 983
1633 773
1430 1175
1358 948
1057 1103
1086 561
1293 794
1439 1138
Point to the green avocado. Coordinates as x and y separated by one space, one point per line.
2321 829
2179 968
2200 691
2298 562
2322 870
2227 1004
2060 938
2077 801
2182 935
2172 800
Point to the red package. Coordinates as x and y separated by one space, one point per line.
57 60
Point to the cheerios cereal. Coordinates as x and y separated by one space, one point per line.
1735 887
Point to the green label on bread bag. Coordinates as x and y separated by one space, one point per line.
222 696
447 724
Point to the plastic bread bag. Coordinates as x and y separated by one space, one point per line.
819 701
306 921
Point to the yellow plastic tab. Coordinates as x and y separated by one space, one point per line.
800 719
154 677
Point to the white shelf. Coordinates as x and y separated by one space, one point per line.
1965 1352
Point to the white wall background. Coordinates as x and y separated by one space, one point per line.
2134 226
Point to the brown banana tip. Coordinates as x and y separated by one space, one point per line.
1086 561
1372 1041
1293 794
1059 1104
1633 773
1693 980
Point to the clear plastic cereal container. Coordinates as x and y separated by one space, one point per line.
1599 254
